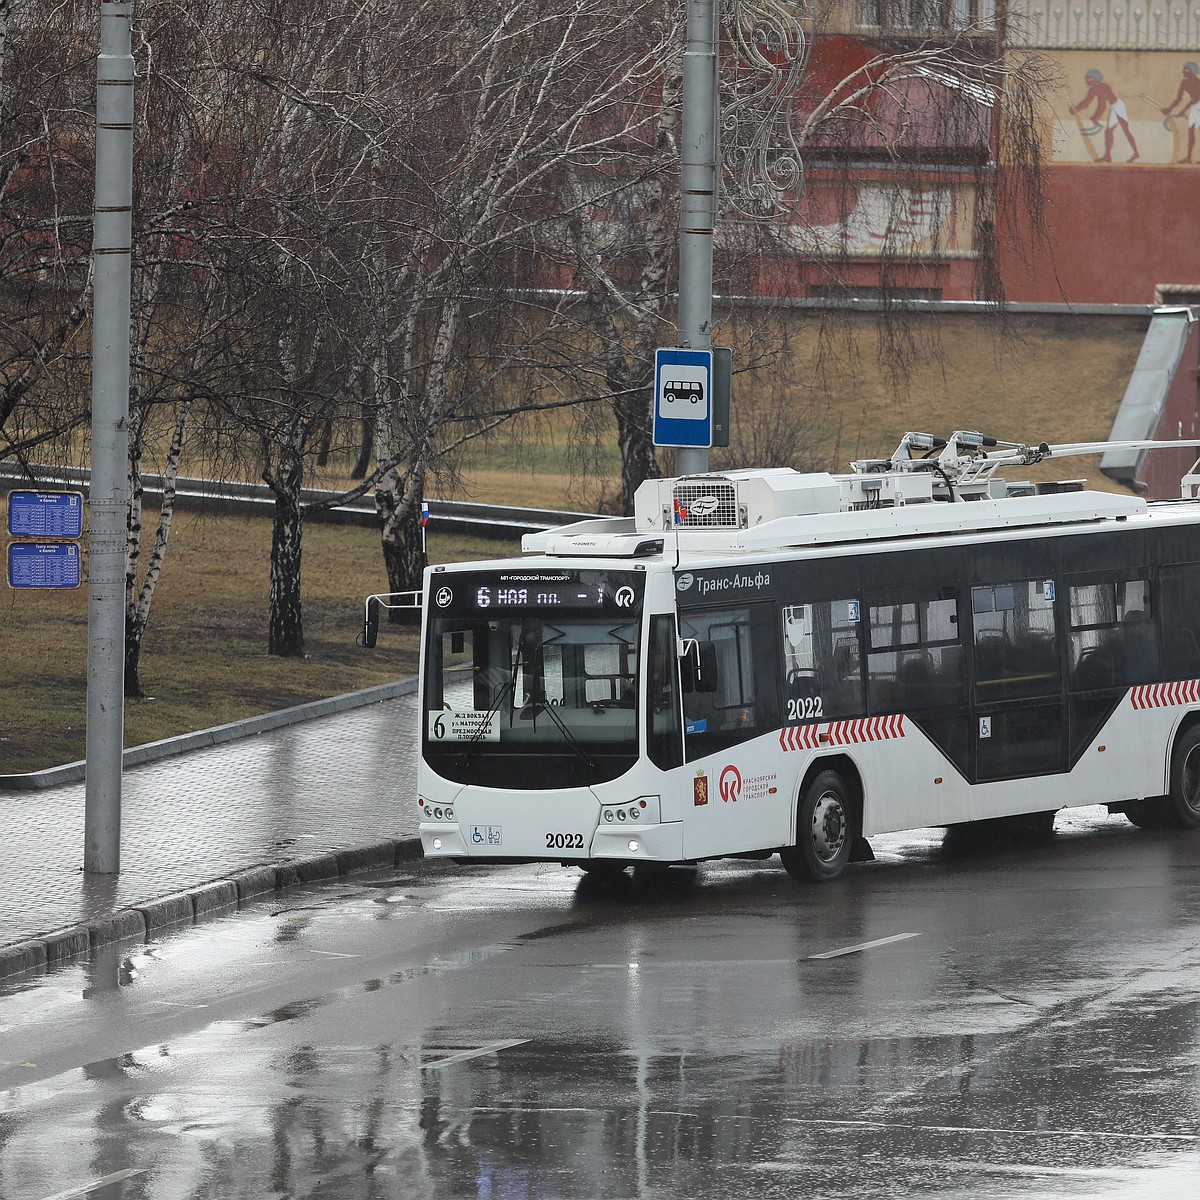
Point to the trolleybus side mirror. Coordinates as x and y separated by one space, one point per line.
370 633
388 600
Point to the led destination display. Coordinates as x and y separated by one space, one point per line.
479 592
539 597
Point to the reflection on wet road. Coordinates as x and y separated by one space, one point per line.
949 1020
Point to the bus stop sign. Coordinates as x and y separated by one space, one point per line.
683 409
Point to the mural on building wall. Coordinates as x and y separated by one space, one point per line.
1109 112
1187 101
873 220
1131 76
1128 108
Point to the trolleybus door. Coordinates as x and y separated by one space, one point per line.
735 701
1020 726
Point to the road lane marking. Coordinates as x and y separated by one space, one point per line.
1106 1134
84 1188
896 937
178 1004
334 954
463 1055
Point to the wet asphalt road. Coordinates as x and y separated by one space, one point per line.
947 1021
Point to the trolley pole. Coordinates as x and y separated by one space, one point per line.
698 208
108 496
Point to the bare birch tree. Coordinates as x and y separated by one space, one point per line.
499 99
45 221
177 331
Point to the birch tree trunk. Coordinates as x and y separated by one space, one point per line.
137 611
285 634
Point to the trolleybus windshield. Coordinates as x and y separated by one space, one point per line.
531 678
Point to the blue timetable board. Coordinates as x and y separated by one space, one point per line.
43 565
45 514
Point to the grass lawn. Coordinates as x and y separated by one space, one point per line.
204 659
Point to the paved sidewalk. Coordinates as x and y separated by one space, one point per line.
212 826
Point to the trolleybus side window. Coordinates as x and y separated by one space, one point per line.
821 659
460 678
662 711
915 658
1180 617
1016 652
1113 641
745 701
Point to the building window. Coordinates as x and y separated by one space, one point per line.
869 13
925 14
974 12
1178 293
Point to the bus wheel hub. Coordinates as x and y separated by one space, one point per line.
829 826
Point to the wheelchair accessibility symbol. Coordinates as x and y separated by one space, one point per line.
486 835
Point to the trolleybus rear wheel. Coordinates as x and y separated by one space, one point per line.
824 837
1184 799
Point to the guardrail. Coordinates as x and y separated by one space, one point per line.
482 520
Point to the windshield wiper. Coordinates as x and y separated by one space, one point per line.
537 706
508 689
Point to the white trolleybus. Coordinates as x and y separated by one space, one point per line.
769 662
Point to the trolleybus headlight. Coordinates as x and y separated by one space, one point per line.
633 845
608 816
449 814
437 843
620 814
634 814
437 812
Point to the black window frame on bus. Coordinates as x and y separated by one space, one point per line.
825 681
1018 684
915 662
1023 664
1179 619
664 713
719 719
1113 639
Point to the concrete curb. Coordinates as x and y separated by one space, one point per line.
216 898
216 736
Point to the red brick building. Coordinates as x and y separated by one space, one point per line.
1121 137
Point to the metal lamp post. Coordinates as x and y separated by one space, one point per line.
108 499
698 200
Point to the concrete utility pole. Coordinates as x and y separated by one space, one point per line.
108 499
698 209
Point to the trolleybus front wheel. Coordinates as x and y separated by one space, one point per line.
1184 797
824 837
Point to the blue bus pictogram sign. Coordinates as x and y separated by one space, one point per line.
683 412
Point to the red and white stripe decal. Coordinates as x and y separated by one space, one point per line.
1165 695
842 733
